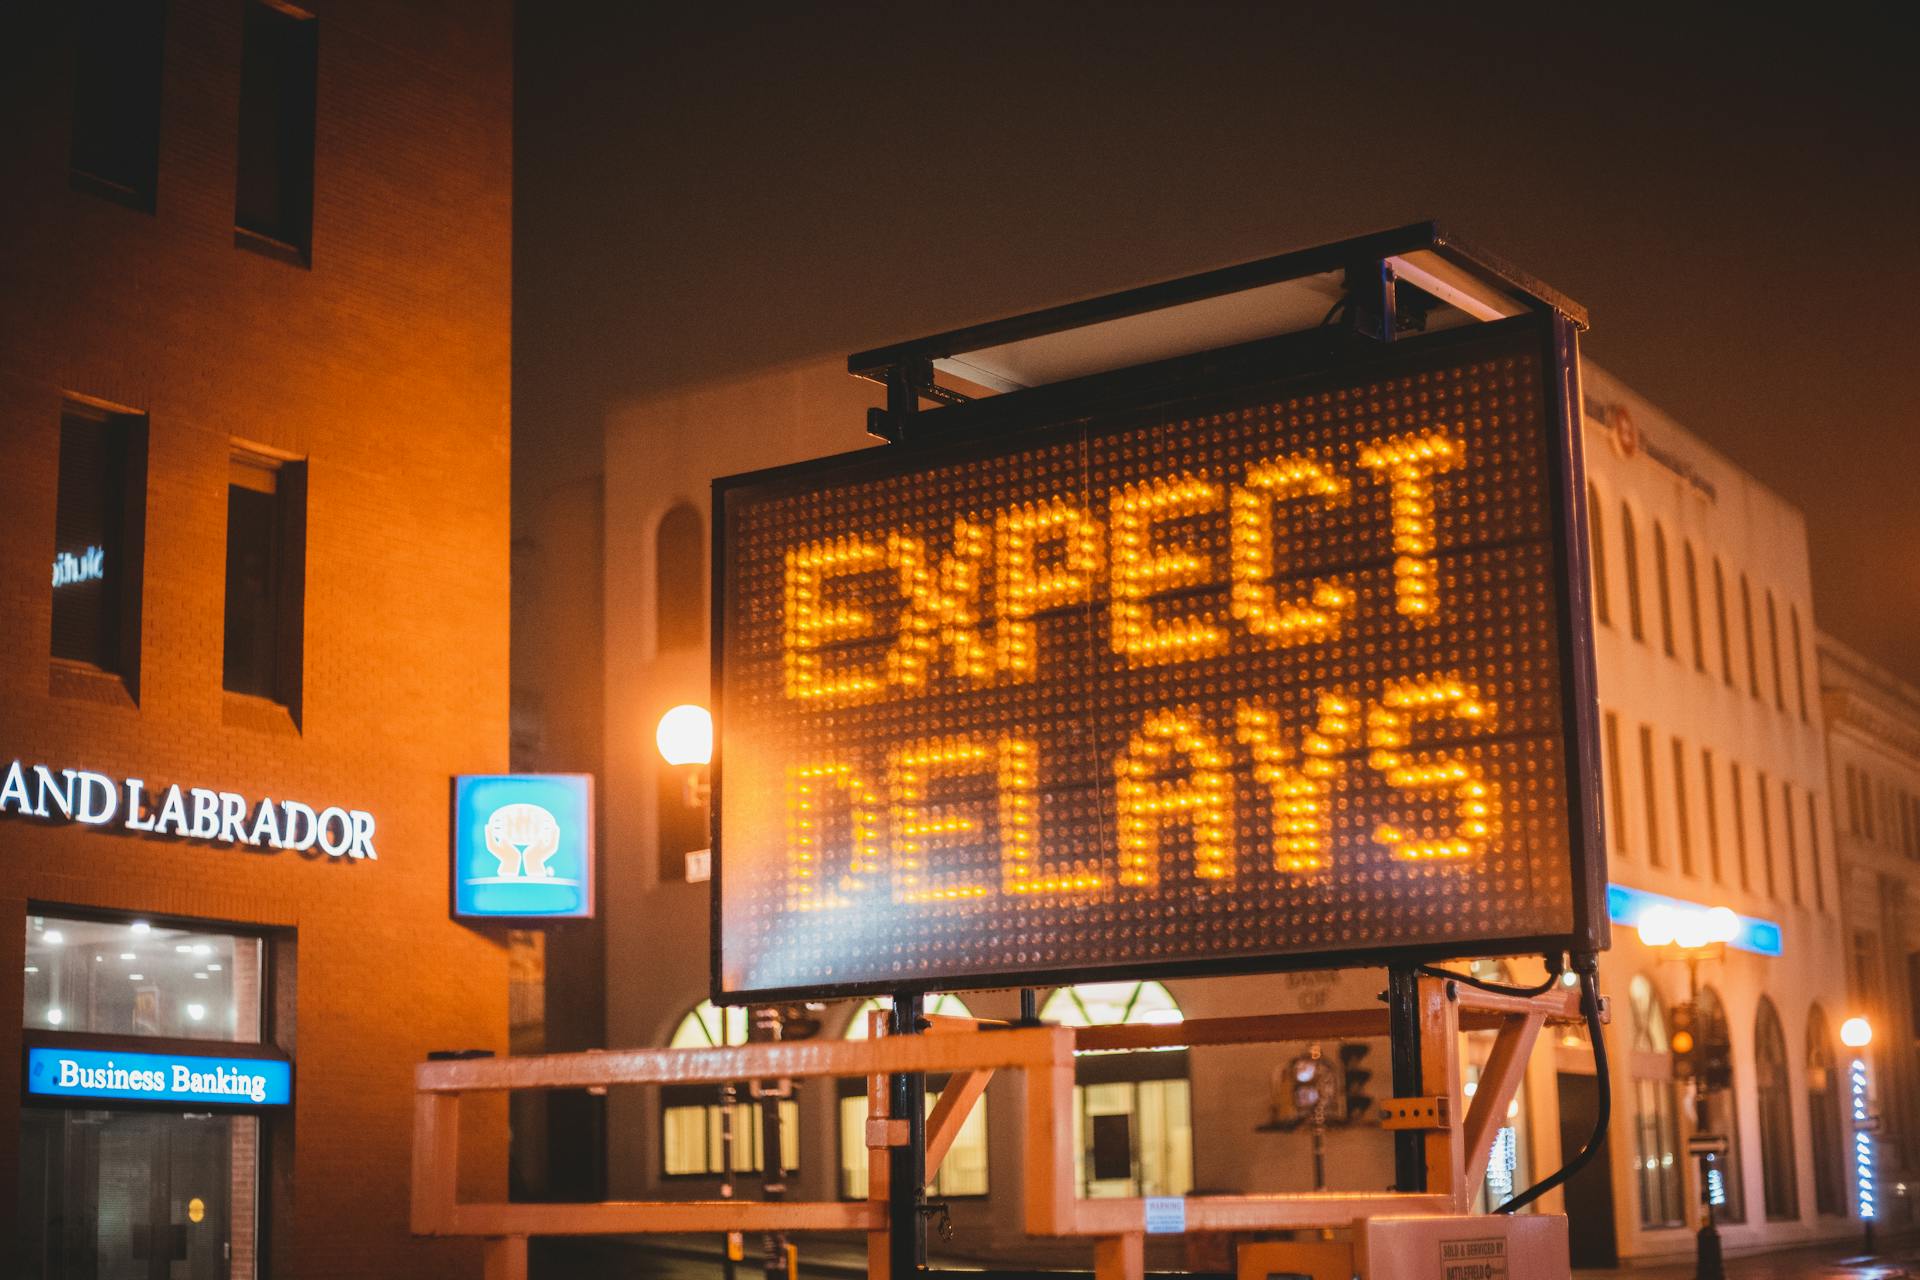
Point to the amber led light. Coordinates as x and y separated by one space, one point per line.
1268 674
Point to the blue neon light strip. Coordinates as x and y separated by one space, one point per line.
1761 937
158 1077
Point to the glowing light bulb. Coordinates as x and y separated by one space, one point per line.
685 735
1722 924
1657 925
1856 1033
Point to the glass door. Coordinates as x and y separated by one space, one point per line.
124 1195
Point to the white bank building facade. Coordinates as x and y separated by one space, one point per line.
1717 794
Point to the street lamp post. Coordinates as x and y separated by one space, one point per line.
684 737
1708 1260
1694 935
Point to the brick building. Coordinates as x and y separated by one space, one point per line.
254 342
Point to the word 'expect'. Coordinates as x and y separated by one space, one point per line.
1037 556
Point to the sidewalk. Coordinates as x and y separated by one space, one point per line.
698 1258
1897 1259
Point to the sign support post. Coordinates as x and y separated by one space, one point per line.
1403 1023
907 1093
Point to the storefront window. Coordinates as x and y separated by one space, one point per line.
1778 1163
1823 1118
1511 1154
692 1120
135 978
1659 1165
1722 1113
169 1188
963 1172
1132 1111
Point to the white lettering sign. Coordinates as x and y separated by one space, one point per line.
70 567
191 813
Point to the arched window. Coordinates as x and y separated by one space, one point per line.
1693 607
679 581
1597 548
1661 585
1660 1163
1631 542
1773 646
1773 1085
963 1172
708 1026
1720 615
1753 654
1799 659
1823 1118
1721 1112
1132 1112
692 1119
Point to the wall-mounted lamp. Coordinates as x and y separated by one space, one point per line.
685 739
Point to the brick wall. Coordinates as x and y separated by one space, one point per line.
385 367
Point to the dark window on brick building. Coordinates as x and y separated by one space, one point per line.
278 79
266 571
680 580
114 149
97 526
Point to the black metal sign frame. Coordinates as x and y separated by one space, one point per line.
987 427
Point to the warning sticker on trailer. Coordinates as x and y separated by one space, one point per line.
1474 1259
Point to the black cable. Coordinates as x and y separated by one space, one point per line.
1588 968
1555 967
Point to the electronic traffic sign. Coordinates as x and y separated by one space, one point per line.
1273 670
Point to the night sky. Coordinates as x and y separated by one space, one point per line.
702 189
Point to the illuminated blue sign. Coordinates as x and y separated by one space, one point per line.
110 1075
85 566
1863 1124
523 846
1626 906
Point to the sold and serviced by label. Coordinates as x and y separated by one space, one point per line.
1484 1259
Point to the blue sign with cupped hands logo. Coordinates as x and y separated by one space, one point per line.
523 846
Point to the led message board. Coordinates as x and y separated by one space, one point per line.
1263 675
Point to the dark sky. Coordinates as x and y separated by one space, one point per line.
708 187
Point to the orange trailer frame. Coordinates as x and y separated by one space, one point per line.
1458 1138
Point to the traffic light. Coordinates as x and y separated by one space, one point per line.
1715 1059
1310 1081
1354 1076
1683 1042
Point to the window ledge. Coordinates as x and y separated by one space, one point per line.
268 247
84 682
139 199
262 715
